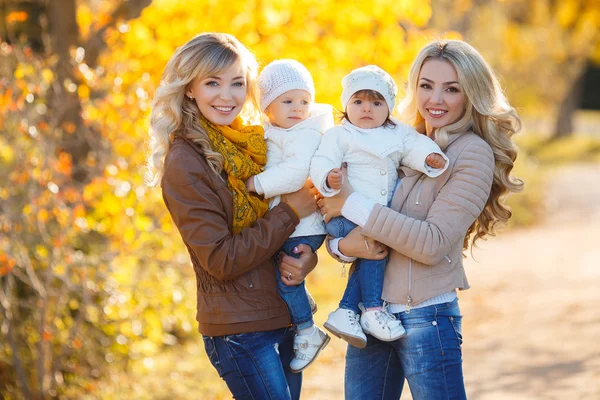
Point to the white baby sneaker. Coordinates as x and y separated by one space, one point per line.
307 348
382 325
345 324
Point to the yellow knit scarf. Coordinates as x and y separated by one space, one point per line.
245 153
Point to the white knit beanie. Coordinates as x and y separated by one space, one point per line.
370 77
282 76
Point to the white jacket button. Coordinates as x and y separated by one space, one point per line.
383 192
383 172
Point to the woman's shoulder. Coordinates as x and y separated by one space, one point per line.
469 144
184 163
471 154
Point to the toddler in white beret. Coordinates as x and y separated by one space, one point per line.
294 126
373 145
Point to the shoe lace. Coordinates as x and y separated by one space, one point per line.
353 318
384 317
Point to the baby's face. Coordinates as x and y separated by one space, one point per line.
366 112
289 109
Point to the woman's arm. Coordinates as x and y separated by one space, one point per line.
327 157
457 205
200 217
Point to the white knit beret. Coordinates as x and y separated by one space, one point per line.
281 76
370 77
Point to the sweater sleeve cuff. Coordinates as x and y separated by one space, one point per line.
357 208
258 186
334 246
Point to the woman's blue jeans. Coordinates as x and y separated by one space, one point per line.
429 357
255 365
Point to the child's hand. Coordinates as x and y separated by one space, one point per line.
250 184
435 161
335 178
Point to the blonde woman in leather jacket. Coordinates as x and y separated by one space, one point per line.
201 154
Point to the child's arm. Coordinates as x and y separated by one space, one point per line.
417 149
250 185
328 157
335 179
291 174
435 161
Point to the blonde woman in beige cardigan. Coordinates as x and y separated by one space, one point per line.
454 98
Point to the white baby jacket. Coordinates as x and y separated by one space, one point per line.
289 152
373 157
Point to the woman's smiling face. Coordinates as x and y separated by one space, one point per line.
440 98
220 98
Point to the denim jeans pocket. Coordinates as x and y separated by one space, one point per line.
456 322
244 338
211 350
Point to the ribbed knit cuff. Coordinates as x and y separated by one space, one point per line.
258 186
357 208
334 246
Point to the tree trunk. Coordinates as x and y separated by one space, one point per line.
563 126
64 33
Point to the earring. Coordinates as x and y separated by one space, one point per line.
191 98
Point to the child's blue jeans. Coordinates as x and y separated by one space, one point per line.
295 296
366 281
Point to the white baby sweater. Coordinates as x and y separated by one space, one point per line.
373 157
289 152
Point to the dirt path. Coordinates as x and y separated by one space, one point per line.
532 317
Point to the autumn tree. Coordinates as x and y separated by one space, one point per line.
92 272
540 48
53 270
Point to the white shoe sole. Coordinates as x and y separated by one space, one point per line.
384 339
325 343
355 341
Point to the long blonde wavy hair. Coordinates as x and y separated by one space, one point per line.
173 113
487 113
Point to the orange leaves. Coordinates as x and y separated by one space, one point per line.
6 264
64 164
69 127
16 16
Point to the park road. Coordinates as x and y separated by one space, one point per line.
532 320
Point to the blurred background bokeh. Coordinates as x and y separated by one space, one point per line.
96 289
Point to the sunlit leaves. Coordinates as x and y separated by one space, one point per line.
106 253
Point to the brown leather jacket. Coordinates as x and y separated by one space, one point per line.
235 274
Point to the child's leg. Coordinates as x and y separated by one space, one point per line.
371 282
345 321
295 296
339 227
375 320
310 339
352 294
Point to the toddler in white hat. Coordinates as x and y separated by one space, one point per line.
373 145
293 126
